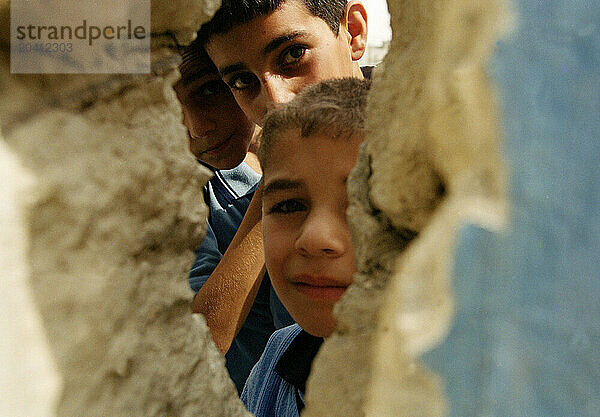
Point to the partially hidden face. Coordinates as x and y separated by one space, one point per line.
219 132
308 247
273 57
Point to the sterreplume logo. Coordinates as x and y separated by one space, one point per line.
80 36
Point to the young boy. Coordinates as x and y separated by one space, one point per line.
267 51
240 305
308 148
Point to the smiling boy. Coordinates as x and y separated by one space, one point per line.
308 148
219 133
267 51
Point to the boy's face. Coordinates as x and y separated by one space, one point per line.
218 131
308 247
273 57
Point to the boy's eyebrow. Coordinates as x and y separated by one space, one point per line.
228 69
270 47
190 78
278 41
279 185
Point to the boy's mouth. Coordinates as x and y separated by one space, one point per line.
319 287
218 148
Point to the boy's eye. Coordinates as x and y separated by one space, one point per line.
210 88
293 54
288 206
242 81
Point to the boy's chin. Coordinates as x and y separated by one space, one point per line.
222 164
322 329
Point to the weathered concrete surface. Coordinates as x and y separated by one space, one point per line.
431 162
28 368
114 218
527 327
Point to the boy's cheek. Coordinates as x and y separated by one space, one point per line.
271 244
275 231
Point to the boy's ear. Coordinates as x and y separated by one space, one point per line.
355 23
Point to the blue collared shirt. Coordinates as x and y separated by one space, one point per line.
277 382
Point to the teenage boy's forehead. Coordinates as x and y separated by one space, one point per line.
290 20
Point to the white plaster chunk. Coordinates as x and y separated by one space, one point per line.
29 380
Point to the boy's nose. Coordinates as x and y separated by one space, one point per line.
277 90
198 125
274 90
323 235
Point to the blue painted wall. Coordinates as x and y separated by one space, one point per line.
526 340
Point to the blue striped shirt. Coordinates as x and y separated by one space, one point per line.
276 385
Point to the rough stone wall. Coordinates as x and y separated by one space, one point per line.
114 211
113 220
